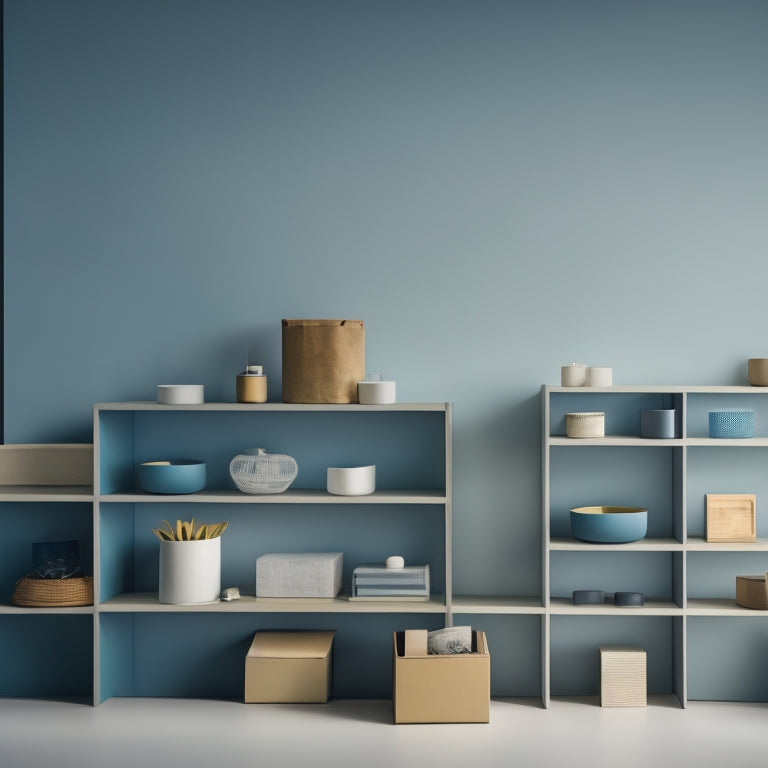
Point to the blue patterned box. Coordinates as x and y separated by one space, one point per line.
733 424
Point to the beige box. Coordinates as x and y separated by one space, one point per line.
289 667
752 591
46 464
623 677
441 689
322 360
731 517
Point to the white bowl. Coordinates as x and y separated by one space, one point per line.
180 394
376 392
351 481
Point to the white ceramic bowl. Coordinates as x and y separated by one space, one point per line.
351 481
376 392
180 394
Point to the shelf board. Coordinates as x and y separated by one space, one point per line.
488 604
252 407
291 496
721 606
564 606
647 442
699 544
644 545
19 610
724 442
616 440
147 602
46 493
673 389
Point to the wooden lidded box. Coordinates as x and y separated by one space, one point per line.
622 676
731 517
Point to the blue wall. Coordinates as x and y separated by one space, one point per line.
496 188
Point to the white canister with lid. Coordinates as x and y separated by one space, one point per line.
573 375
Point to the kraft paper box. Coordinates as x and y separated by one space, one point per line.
299 574
322 360
453 688
289 667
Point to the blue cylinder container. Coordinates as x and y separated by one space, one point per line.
657 423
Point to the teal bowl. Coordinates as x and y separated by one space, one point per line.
174 476
609 525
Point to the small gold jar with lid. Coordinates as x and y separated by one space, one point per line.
251 385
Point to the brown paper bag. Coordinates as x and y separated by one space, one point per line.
322 360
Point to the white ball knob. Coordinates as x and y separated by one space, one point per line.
394 561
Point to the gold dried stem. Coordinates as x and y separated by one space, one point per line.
185 531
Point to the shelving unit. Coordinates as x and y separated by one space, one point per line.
695 649
408 514
48 652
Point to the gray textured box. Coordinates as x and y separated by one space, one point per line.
299 574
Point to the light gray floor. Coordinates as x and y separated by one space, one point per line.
360 734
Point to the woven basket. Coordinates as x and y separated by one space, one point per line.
53 593
585 424
734 424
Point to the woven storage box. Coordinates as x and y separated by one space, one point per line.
623 677
53 593
46 464
733 424
322 360
585 424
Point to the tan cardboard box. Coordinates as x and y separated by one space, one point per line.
289 667
442 689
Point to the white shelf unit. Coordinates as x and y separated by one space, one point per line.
408 514
48 651
695 649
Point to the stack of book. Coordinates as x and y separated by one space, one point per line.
377 582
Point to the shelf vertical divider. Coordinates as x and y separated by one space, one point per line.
448 431
545 533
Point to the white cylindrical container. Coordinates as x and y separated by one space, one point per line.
180 394
601 377
376 392
351 481
190 571
573 375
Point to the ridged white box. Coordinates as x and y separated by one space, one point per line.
623 677
299 574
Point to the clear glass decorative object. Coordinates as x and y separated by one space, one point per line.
256 471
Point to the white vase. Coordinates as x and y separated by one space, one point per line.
190 571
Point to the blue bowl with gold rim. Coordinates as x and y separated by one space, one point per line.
609 525
173 476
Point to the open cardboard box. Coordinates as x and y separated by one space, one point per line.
453 688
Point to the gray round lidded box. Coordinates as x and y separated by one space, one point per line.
658 423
